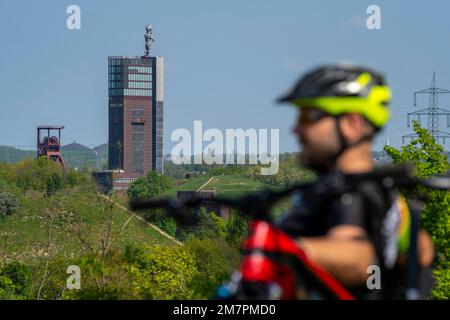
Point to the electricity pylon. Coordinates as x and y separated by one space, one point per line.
432 112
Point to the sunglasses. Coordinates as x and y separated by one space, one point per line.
309 116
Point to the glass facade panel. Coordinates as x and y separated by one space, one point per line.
140 69
137 93
115 92
139 77
115 148
140 85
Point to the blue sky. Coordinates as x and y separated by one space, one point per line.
226 61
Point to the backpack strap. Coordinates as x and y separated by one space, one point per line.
376 204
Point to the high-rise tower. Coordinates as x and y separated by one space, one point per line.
136 86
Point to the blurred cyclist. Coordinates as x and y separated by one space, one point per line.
341 108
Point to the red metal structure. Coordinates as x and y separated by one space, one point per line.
49 145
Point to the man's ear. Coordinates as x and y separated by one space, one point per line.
352 126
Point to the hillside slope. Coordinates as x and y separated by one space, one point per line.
226 185
78 223
12 155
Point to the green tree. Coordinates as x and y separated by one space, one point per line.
429 159
237 228
209 225
149 186
161 272
103 277
215 260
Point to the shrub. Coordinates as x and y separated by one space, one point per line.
215 261
161 272
161 220
42 175
8 204
15 278
209 226
237 227
148 186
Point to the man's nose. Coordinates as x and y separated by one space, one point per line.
298 129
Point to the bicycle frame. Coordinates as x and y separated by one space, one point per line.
275 267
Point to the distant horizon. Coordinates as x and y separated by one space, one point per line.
165 154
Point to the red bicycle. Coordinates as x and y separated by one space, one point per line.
273 265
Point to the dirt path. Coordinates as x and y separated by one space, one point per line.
134 215
206 183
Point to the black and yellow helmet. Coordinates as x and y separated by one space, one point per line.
340 89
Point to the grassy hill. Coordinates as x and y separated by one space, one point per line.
228 185
51 218
102 151
48 195
79 218
61 205
12 155
79 156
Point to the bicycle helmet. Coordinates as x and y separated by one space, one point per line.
339 89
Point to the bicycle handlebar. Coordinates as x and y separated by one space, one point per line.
259 204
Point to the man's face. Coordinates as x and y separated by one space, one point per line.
316 131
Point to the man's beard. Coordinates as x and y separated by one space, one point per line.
318 160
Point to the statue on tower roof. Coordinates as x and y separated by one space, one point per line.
148 40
